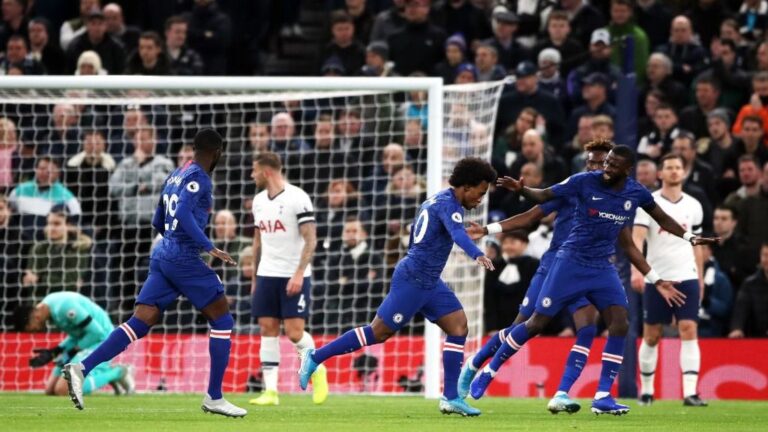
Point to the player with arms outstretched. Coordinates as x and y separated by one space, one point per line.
676 260
416 284
176 268
86 325
284 242
607 201
583 312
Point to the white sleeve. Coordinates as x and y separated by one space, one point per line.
642 218
253 210
698 216
305 212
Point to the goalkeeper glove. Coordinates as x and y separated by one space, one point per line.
44 356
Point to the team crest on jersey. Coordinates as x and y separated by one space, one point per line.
457 217
397 318
525 301
193 186
627 205
546 302
71 314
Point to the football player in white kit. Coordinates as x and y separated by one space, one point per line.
284 243
677 260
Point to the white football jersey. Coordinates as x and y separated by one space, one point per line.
671 256
278 219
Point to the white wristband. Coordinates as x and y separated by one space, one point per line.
494 228
688 236
652 276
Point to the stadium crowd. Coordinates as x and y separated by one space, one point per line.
79 183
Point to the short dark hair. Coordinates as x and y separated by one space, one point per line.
472 171
21 316
733 210
46 158
752 118
269 159
207 141
748 158
665 106
599 144
341 17
175 19
518 234
729 43
18 38
687 135
670 156
558 15
628 3
153 36
625 153
710 80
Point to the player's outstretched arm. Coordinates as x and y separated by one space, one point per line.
535 195
667 289
523 220
668 224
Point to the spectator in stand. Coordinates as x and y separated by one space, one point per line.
184 60
594 92
89 63
654 17
419 45
340 201
585 19
507 147
464 17
135 185
415 145
697 172
647 174
63 137
59 262
393 157
125 34
513 203
550 77
759 61
623 25
599 61
238 290
653 99
389 21
396 209
559 37
354 142
750 176
688 57
362 19
753 19
209 34
527 93
17 55
574 151
226 238
34 199
76 26
600 127
510 52
283 139
43 50
659 77
149 58
694 117
486 63
752 142
15 21
706 16
758 103
356 276
715 149
505 288
455 53
725 69
87 175
659 141
13 246
750 312
717 299
534 151
752 214
9 145
343 45
325 162
532 15
95 38
376 60
732 252
730 30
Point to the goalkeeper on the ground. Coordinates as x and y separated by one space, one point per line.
86 325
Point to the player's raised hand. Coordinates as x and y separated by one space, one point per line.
220 254
510 183
485 262
295 283
698 241
475 231
671 295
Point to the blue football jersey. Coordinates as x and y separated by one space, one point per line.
600 214
564 206
186 197
439 224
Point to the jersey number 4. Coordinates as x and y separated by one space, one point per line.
171 204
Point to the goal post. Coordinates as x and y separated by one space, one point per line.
457 121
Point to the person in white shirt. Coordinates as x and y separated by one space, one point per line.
677 260
284 242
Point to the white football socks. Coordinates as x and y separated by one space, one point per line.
690 361
648 357
269 354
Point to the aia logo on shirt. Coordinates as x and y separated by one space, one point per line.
271 227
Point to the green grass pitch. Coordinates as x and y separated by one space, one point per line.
20 412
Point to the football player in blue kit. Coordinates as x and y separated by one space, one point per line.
416 285
606 205
583 312
175 269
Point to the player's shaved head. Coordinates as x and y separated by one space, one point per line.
207 141
625 153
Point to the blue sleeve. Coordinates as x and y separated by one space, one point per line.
453 220
188 199
553 205
646 201
569 186
158 220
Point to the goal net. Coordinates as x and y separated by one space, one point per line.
82 164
